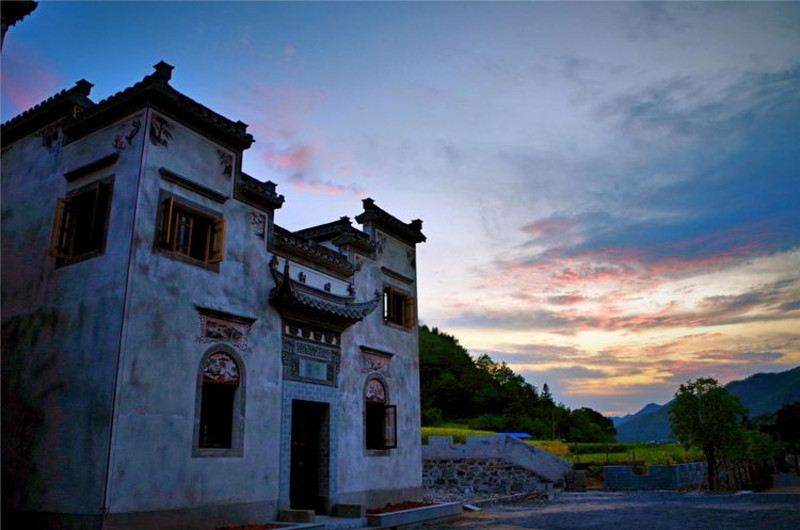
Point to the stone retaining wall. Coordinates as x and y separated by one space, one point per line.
677 477
514 452
479 475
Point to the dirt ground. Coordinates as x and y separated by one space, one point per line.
653 510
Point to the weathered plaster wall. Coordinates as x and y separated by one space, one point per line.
153 466
61 326
374 478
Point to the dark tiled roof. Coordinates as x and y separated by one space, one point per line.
408 232
341 233
291 244
295 300
155 90
257 193
13 12
83 116
67 104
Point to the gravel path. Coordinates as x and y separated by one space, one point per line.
640 510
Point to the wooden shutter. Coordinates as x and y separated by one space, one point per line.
61 237
215 245
409 311
166 238
390 427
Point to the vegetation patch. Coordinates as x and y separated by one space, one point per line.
459 434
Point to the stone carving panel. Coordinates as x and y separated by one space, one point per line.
258 223
127 132
375 393
376 363
213 329
310 362
160 131
226 163
221 368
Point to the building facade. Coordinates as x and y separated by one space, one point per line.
171 353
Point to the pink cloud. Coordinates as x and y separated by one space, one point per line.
567 299
26 82
300 181
295 158
548 226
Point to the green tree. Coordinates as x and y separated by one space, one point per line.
787 423
707 416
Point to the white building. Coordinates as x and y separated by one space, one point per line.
170 355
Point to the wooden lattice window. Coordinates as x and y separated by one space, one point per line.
191 233
399 308
80 224
380 418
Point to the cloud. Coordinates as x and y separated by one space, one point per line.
26 81
716 106
762 303
278 121
300 181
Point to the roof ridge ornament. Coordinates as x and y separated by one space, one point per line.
163 71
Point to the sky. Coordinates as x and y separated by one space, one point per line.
610 191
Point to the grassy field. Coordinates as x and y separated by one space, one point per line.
603 454
459 434
588 454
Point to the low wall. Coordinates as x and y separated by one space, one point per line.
479 475
677 477
504 449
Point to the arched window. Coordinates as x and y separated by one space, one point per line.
380 418
219 403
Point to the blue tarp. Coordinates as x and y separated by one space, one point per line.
515 434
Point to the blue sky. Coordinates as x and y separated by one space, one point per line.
611 191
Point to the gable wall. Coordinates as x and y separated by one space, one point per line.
61 325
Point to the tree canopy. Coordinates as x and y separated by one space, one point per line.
490 395
707 416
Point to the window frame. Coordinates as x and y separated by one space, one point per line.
399 308
63 235
236 449
386 421
168 237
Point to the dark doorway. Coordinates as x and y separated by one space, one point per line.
308 488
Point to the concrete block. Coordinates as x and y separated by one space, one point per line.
297 516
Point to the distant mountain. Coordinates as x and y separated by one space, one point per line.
765 393
759 393
647 409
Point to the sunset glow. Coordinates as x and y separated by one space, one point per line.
610 191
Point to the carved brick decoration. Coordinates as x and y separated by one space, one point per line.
375 391
375 360
127 132
220 327
258 223
51 138
380 242
375 363
221 368
226 163
160 131
310 361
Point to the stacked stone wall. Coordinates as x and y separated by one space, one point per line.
478 475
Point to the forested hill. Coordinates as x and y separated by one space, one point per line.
455 387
